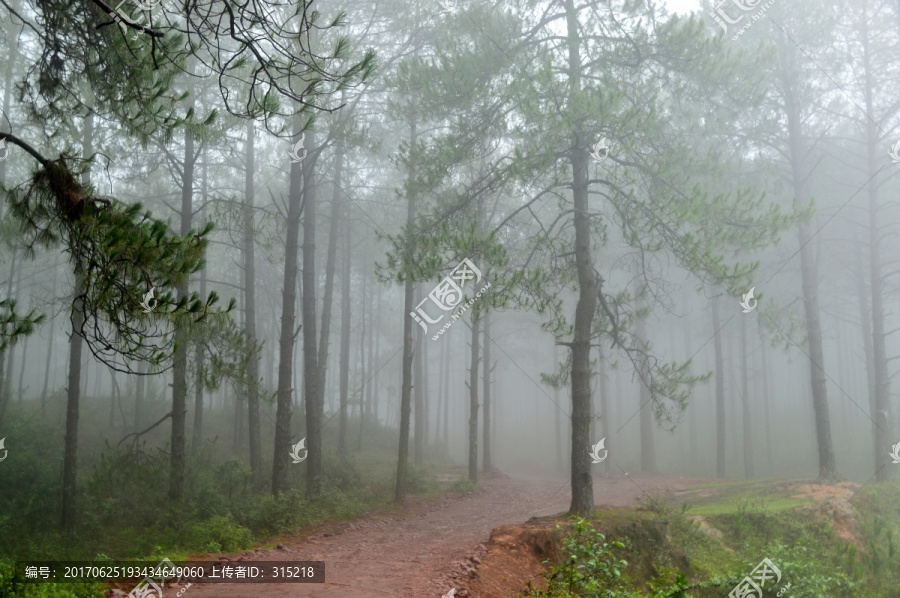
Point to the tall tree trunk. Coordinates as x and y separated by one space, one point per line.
50 342
882 414
406 375
446 392
810 286
418 393
767 395
582 484
720 389
604 404
197 435
313 376
139 396
865 318
10 361
21 387
486 379
75 346
179 369
253 432
365 361
648 446
473 398
12 44
344 381
745 392
330 269
286 338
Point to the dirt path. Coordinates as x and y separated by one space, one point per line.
413 558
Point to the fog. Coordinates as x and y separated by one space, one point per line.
384 247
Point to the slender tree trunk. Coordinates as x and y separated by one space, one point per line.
767 398
882 414
473 398
446 392
50 343
21 387
365 362
179 369
406 376
12 44
720 389
865 318
648 446
418 393
486 379
582 484
253 431
280 460
749 472
197 435
313 376
604 404
139 396
75 345
344 381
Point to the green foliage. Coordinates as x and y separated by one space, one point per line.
118 254
13 325
590 567
221 534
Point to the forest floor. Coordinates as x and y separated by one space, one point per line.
435 544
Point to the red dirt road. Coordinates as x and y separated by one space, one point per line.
413 558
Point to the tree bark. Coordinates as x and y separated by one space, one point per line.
253 432
197 434
286 339
406 375
344 381
810 286
648 446
582 484
312 374
70 458
179 369
882 414
418 394
473 397
720 389
749 472
486 464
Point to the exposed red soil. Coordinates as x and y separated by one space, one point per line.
440 544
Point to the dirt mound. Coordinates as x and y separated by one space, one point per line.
513 556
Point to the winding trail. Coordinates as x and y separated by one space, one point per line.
412 558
